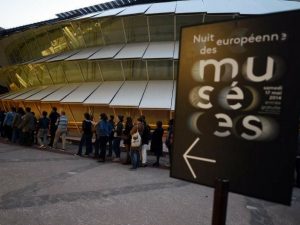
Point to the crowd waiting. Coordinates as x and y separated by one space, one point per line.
22 126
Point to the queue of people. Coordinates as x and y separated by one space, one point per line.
21 126
135 136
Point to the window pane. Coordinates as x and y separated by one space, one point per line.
112 31
134 70
161 28
111 70
136 28
160 70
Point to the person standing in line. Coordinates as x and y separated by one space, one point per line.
61 131
111 135
16 133
135 151
43 129
117 138
145 141
156 142
26 127
33 134
2 117
9 117
170 139
87 133
103 130
127 139
53 125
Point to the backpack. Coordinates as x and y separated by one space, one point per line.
136 139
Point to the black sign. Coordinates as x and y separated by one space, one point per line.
237 105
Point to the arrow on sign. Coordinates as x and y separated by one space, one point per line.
186 157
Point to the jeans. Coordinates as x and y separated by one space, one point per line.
43 136
63 134
135 158
103 142
116 146
86 139
16 135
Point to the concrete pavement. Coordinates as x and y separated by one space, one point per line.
40 187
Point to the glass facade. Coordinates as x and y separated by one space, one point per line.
19 51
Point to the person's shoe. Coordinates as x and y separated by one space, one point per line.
78 154
144 165
41 146
101 160
116 160
132 169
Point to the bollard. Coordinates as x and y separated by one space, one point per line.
220 201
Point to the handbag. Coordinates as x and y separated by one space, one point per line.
136 139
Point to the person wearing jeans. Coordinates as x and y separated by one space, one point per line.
135 151
43 130
62 125
103 131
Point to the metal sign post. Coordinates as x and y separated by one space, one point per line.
220 202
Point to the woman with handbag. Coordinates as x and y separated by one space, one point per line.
136 142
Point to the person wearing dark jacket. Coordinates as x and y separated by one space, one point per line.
87 133
145 141
111 135
102 133
127 138
156 143
117 138
43 130
53 125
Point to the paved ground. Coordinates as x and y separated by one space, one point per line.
46 188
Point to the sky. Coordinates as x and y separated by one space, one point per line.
16 13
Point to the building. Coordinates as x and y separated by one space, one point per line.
120 58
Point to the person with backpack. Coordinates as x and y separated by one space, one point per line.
43 129
102 133
86 137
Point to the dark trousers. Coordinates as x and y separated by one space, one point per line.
116 146
102 144
110 145
8 131
52 134
26 138
86 139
